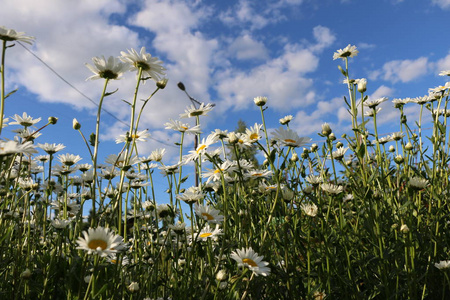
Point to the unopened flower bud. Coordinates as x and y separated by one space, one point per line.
398 159
391 148
181 86
362 85
404 228
133 287
294 157
339 145
260 101
326 129
409 146
221 275
26 274
232 138
76 125
162 83
52 120
314 147
332 137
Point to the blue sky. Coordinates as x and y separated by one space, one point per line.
225 52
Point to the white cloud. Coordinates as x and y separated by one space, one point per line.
245 47
405 70
443 64
444 4
323 36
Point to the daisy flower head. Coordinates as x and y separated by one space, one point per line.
191 195
443 265
151 66
309 209
288 137
285 120
111 68
208 213
138 136
201 148
349 51
209 233
374 103
253 133
69 159
331 188
158 154
260 101
99 241
182 127
418 183
10 35
444 73
247 257
51 148
24 120
192 111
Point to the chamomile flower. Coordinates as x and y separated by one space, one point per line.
309 209
418 183
208 213
10 35
331 188
111 68
285 120
374 103
182 127
138 136
24 120
201 148
157 155
247 257
151 66
288 137
51 148
69 159
208 232
191 195
60 224
192 111
253 133
99 241
443 265
349 51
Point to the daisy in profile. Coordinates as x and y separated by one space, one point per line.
10 35
375 102
69 159
201 148
111 68
138 136
191 195
24 120
349 51
288 137
247 257
309 209
418 183
150 66
208 213
99 241
331 188
192 111
443 265
51 148
182 127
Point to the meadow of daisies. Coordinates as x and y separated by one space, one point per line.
360 216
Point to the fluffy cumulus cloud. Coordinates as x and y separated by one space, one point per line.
404 70
246 47
68 34
283 79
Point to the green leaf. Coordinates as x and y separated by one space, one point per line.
101 291
10 93
110 93
342 71
126 102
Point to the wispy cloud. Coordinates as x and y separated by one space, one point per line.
402 70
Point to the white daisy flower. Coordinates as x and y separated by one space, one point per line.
10 35
99 241
208 213
246 257
443 264
349 51
151 66
111 68
331 188
309 209
288 137
24 120
192 111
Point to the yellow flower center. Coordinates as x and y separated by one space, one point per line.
94 244
254 136
218 171
289 141
205 235
257 174
184 127
240 141
250 262
200 148
208 216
